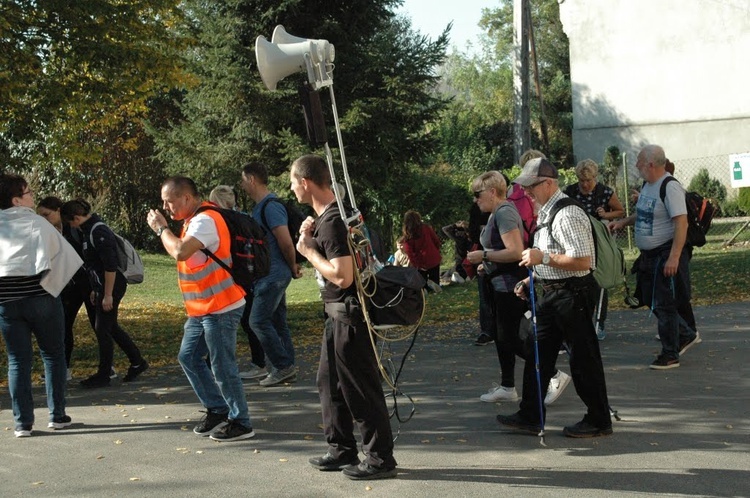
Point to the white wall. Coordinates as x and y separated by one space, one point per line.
671 72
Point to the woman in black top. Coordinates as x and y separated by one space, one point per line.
108 286
602 203
78 290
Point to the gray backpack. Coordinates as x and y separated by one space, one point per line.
129 262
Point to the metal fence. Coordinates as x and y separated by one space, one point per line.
725 230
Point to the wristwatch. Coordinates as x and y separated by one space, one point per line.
161 230
484 256
545 258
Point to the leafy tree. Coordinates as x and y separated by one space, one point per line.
610 167
84 76
70 69
553 56
382 81
708 187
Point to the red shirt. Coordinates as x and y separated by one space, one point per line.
424 251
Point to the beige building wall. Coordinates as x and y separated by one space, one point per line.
671 72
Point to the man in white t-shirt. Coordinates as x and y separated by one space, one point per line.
663 267
214 305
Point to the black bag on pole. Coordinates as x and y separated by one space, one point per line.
398 298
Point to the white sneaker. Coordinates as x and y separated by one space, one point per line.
22 431
254 372
457 279
433 286
499 393
279 376
112 373
557 385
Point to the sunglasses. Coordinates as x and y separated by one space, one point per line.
478 193
533 185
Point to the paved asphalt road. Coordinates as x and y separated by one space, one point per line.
684 432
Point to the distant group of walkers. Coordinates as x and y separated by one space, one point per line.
65 257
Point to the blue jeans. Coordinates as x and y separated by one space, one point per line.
268 321
43 316
219 388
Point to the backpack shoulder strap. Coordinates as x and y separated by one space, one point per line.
206 251
263 211
564 202
663 188
91 233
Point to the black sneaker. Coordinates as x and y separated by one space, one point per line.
517 422
233 432
210 423
664 363
134 371
483 340
365 471
586 429
328 462
60 422
95 381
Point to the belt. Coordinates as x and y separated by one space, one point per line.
550 286
565 283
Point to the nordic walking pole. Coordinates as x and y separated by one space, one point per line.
536 355
599 311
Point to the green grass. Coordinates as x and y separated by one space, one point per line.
153 313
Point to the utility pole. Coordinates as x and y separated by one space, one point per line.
521 125
542 113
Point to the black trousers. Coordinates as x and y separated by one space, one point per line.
508 310
349 388
108 331
565 314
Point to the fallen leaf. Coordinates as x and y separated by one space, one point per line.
135 478
283 459
181 449
184 428
199 452
425 441
460 440
368 488
38 483
118 441
100 457
729 426
256 450
309 437
654 444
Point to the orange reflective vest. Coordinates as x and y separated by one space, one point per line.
209 288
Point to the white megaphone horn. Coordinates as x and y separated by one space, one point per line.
281 36
278 59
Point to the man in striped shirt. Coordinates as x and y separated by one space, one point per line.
562 257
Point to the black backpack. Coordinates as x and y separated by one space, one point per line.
700 213
294 218
251 258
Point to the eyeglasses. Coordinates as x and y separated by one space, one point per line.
478 193
28 192
529 187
